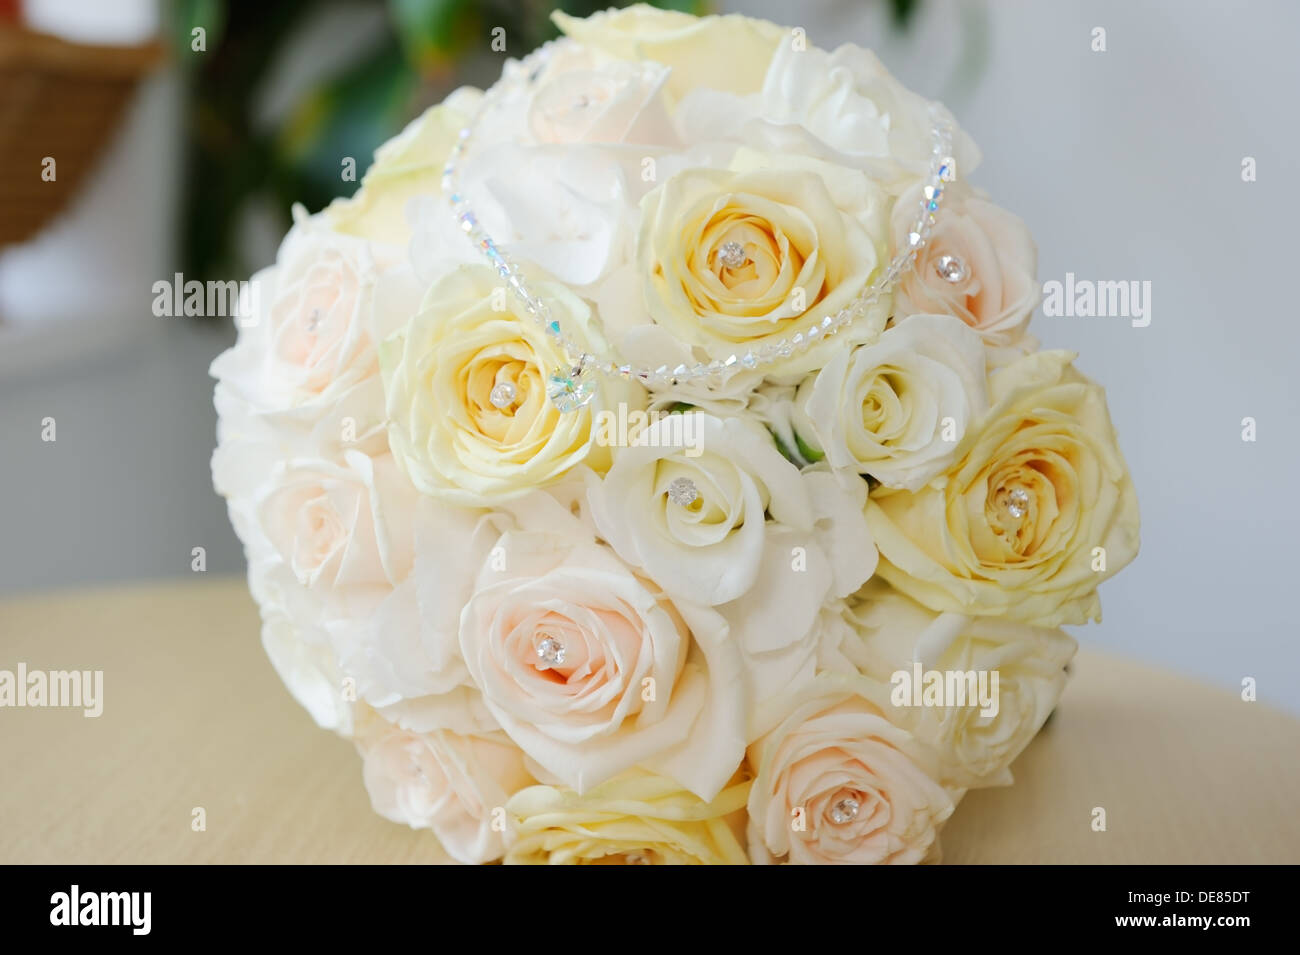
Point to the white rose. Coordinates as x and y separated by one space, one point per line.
304 660
974 748
405 655
445 782
853 104
751 508
897 409
585 96
592 671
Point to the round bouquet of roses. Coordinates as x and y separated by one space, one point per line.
649 462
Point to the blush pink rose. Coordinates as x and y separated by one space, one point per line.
854 775
445 782
980 265
591 670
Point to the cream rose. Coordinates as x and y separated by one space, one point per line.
1038 510
897 409
980 265
973 748
837 783
728 53
735 261
711 549
440 372
445 782
591 671
585 96
636 818
406 167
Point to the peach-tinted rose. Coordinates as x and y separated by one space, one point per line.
980 265
445 782
861 795
592 671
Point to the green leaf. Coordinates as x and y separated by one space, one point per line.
811 455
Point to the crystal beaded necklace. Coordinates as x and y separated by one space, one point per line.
573 385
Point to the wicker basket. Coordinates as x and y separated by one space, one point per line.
61 100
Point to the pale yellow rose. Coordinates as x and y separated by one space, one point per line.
634 819
811 235
439 373
729 53
1038 510
408 165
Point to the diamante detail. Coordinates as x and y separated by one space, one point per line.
951 269
1018 503
683 491
503 394
550 651
571 388
732 255
845 810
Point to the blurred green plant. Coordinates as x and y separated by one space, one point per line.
231 162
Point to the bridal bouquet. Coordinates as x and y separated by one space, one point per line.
649 462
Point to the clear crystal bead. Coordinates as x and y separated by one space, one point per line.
845 810
1018 503
732 255
571 388
550 651
951 269
682 491
749 360
503 394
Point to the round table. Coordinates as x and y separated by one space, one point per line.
194 717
